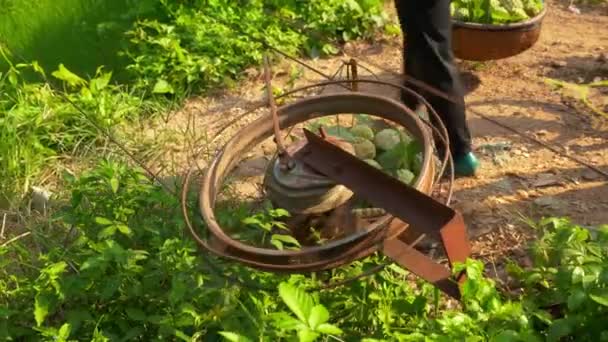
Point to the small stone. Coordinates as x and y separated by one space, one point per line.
246 189
40 199
252 73
545 180
251 167
523 194
469 207
590 175
603 57
559 64
269 148
548 202
504 185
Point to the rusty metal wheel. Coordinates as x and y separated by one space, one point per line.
337 252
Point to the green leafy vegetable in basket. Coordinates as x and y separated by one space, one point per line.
395 158
406 176
387 139
495 11
373 163
364 149
362 131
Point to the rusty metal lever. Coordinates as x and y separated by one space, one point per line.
422 213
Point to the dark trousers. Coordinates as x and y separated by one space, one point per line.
428 58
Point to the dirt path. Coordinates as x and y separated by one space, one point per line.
517 177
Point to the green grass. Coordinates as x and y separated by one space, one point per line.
82 34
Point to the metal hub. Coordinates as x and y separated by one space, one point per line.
301 190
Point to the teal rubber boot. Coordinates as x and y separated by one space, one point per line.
466 165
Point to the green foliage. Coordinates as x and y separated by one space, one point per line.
82 34
270 222
208 43
495 11
570 274
116 264
39 123
580 92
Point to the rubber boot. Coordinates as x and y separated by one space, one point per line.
466 166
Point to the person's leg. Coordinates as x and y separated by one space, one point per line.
428 58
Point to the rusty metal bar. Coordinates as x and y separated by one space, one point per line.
420 211
283 157
422 266
354 74
380 189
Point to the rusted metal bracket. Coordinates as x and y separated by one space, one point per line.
422 213
352 73
284 158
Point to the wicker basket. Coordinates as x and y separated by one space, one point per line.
484 42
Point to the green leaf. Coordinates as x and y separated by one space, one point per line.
600 296
318 315
506 336
13 78
283 321
339 132
93 262
577 275
56 268
329 329
233 337
276 213
103 221
306 335
576 299
396 158
42 305
181 335
163 87
124 229
68 77
64 331
100 82
37 68
559 328
114 184
106 232
298 301
136 314
286 239
277 244
111 285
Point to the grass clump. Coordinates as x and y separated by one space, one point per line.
40 124
81 34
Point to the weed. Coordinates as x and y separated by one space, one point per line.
82 34
39 124
128 271
205 44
